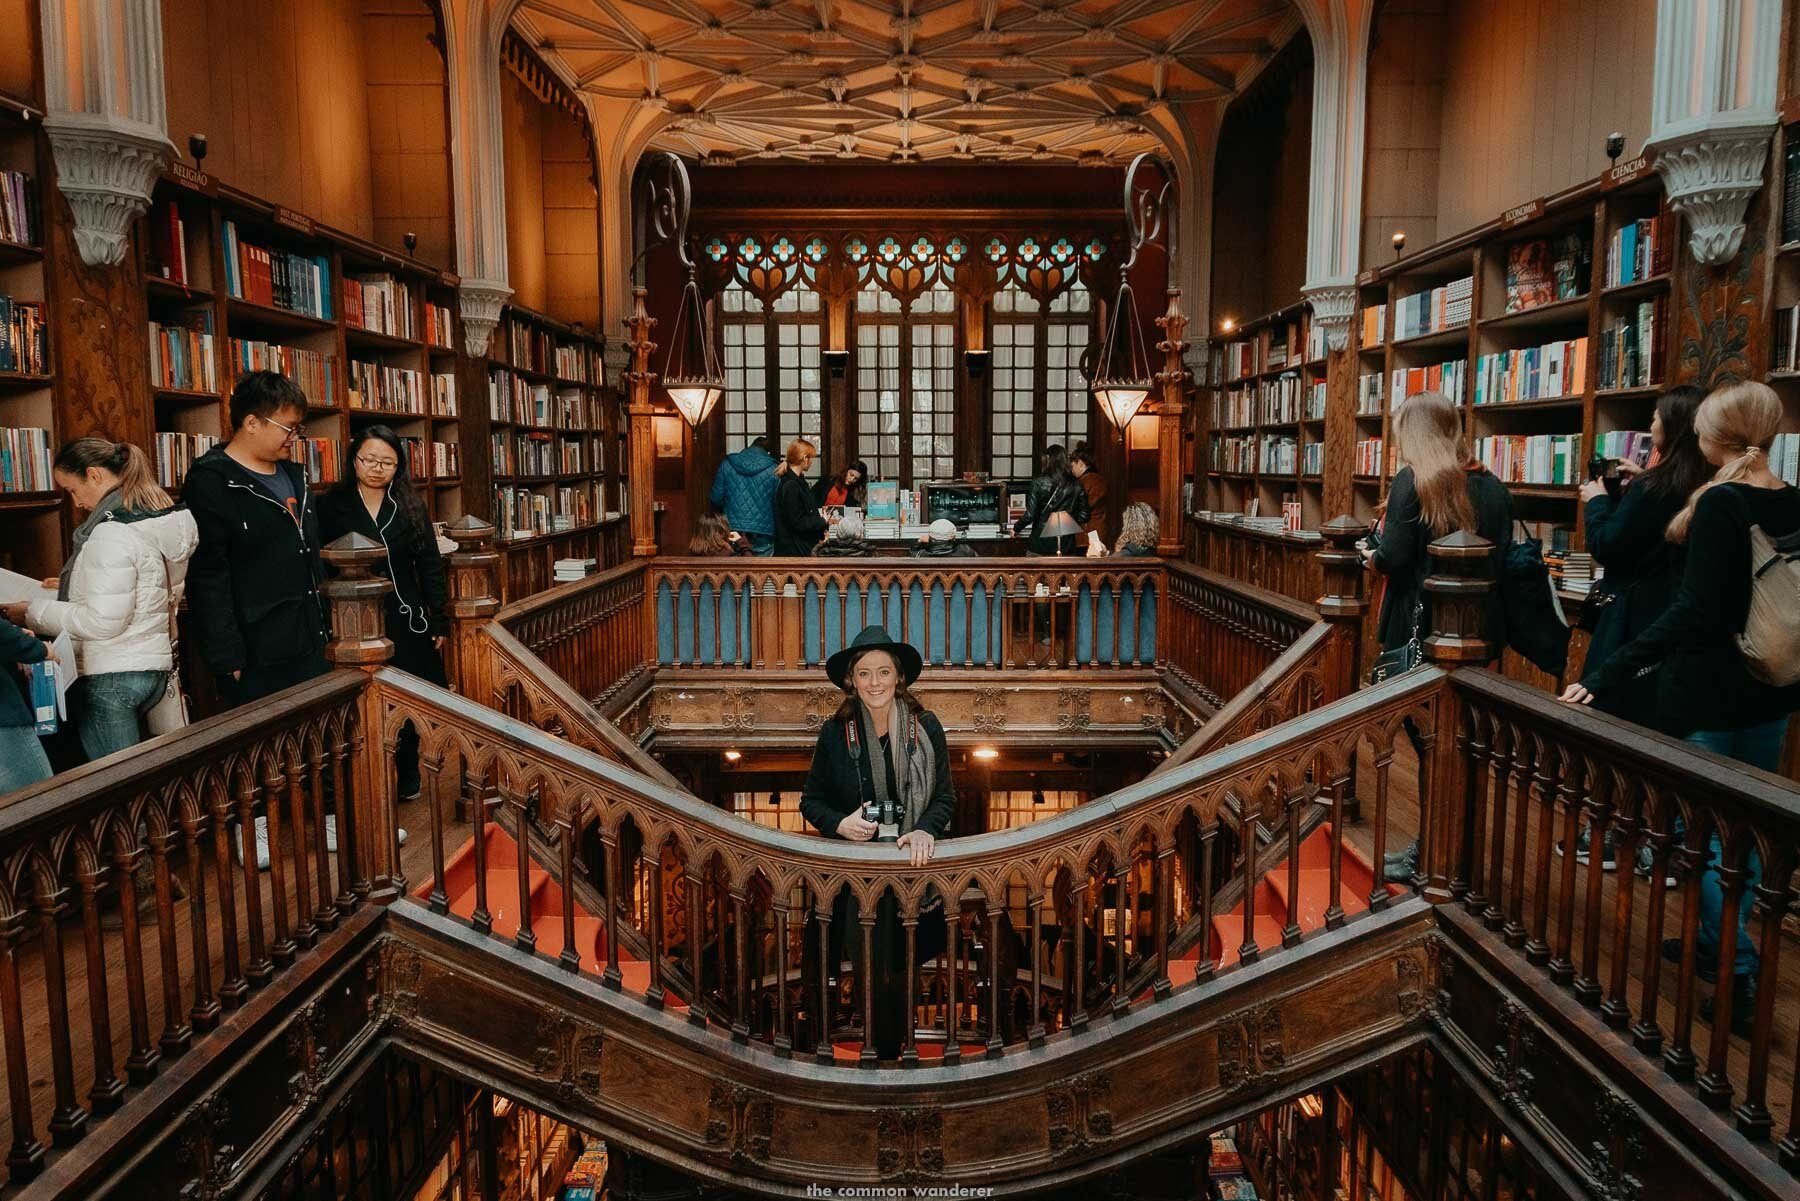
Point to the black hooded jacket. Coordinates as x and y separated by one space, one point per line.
253 584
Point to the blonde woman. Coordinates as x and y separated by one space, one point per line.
1138 529
1705 693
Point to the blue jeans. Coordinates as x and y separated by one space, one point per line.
22 759
1759 746
110 707
762 544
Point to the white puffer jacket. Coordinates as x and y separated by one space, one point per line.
125 587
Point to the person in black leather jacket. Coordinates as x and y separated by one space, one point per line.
1055 490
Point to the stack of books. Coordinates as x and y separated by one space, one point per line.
1577 572
573 569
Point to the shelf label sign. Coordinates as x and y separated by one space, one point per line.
1520 214
192 178
1364 279
299 222
1627 172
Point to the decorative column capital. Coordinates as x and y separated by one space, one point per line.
1711 170
106 166
615 356
1333 304
482 300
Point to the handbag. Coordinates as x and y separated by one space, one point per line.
1532 612
170 712
1402 658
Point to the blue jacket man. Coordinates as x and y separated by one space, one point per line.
745 489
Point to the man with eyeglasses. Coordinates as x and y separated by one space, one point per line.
253 585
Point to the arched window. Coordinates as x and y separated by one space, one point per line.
771 361
1040 395
906 383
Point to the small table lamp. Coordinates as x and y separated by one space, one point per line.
1060 525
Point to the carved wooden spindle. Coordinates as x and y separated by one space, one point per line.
740 1005
318 760
865 985
524 810
1290 933
1209 833
481 918
1035 1034
25 1157
235 988
1384 759
656 992
784 1029
611 977
1754 1121
474 599
358 600
1646 1033
1547 780
1679 1060
1164 919
696 943
1628 830
1598 811
108 1091
953 961
1501 740
141 1063
1248 951
352 887
1478 780
909 1028
305 933
822 1047
1572 796
274 791
1714 1085
68 1120
996 1042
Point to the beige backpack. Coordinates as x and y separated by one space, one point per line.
1770 642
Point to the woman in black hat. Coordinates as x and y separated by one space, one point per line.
881 772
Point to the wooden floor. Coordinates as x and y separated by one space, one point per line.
416 858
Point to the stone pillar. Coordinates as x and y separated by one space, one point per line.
642 436
108 126
1712 113
1169 411
474 599
358 600
473 30
1340 34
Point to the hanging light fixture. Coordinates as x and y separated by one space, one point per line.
691 376
1124 378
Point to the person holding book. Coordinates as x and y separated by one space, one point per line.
849 487
798 523
1706 690
744 490
846 539
1439 489
378 501
1055 490
118 593
22 758
253 585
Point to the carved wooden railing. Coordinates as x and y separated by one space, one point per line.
1110 880
1533 773
1278 561
1221 634
165 836
960 613
591 633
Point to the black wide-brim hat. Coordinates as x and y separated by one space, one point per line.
875 638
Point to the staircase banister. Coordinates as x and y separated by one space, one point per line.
66 797
1311 644
552 598
972 854
1296 611
1673 762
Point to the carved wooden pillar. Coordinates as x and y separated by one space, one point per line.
1343 603
1172 378
643 439
840 431
1457 593
474 599
358 600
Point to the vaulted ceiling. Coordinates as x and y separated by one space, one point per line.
903 80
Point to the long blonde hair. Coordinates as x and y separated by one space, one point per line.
1138 527
1428 436
137 479
1742 418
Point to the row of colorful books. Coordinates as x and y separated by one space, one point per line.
175 453
1234 409
1450 378
387 389
1542 271
24 460
320 458
440 327
1640 250
380 304
282 279
432 460
525 513
18 208
1554 369
181 356
1544 459
1629 348
1443 307
314 371
1368 456
24 337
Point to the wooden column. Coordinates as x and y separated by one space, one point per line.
1457 592
474 599
358 600
1343 603
840 431
1172 377
643 439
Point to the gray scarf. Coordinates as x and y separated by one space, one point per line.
103 511
915 765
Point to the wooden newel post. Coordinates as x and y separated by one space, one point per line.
358 600
474 599
1344 603
1458 593
641 413
1170 408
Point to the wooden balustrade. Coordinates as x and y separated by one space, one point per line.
1221 634
591 633
1534 773
1277 561
167 838
970 613
1039 926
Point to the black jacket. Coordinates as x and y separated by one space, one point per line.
1402 557
253 585
1703 684
1629 539
945 550
798 526
414 564
1047 496
846 548
837 786
17 646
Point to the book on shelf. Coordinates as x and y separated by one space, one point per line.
439 326
1315 401
1530 275
314 371
1371 389
443 395
1290 515
1240 360
18 208
1236 407
167 257
1443 307
380 304
24 337
1450 378
1312 459
181 356
1784 457
1784 337
1277 455
1633 445
1532 459
1374 325
378 387
276 278
529 347
1640 250
175 453
1368 456
25 460
1630 346
1278 399
1234 453
1790 192
1555 369
319 458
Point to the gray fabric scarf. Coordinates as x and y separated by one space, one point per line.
103 511
915 767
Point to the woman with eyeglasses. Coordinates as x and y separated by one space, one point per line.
377 500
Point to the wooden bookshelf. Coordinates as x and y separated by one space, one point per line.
371 368
1258 419
31 510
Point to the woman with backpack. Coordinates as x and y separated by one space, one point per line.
1715 689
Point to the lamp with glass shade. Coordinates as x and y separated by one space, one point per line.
1123 381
